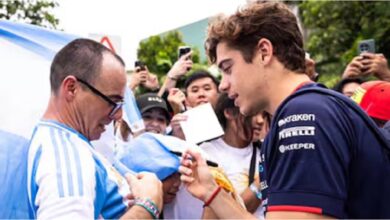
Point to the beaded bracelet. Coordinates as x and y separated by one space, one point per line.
149 205
215 193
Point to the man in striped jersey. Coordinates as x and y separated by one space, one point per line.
67 178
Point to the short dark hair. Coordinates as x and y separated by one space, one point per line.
225 103
243 30
340 85
81 58
199 75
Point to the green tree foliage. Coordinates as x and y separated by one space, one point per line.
336 27
29 11
159 53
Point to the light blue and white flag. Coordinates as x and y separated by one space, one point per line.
131 113
13 176
153 153
26 52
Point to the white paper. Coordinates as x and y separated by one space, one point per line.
201 125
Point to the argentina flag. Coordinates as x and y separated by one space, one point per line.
131 113
26 52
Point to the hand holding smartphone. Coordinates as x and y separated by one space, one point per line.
183 50
365 46
140 66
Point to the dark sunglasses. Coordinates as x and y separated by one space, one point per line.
116 105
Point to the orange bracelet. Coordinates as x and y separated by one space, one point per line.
215 193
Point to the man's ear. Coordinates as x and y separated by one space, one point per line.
69 87
265 51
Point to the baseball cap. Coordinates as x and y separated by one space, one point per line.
374 98
149 101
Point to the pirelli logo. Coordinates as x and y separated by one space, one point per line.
297 131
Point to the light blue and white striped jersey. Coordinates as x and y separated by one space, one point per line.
68 179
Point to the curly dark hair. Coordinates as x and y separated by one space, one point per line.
243 30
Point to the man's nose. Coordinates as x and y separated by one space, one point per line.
201 94
154 123
223 85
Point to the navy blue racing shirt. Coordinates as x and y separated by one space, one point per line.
323 155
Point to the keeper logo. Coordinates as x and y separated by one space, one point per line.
296 146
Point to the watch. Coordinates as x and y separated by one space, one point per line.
256 191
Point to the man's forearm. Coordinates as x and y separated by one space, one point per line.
137 212
133 86
167 85
250 200
225 207
208 213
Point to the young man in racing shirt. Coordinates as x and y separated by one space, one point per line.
323 156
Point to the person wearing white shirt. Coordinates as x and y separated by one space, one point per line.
67 178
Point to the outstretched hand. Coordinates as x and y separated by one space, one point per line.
138 77
152 82
176 127
176 98
181 66
196 175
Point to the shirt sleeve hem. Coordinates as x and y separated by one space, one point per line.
306 202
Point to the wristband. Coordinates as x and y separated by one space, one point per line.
149 205
215 193
256 191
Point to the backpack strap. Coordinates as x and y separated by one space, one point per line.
252 165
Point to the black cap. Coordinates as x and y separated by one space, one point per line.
149 101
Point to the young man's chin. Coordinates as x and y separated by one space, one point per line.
248 110
244 110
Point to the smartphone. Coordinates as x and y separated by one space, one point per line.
184 50
366 46
139 64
